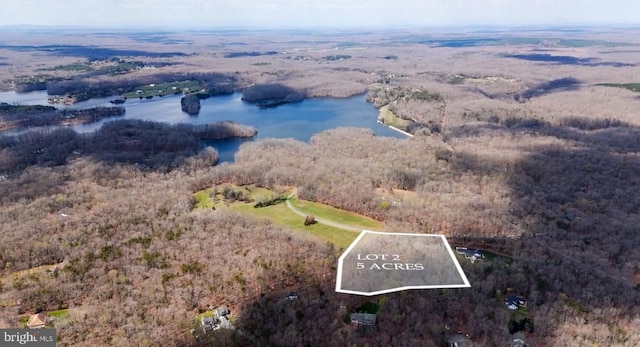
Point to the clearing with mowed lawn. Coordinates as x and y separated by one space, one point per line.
336 215
243 199
161 89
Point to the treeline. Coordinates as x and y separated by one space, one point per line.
25 84
221 130
20 116
561 84
248 54
270 202
83 89
148 144
8 109
274 94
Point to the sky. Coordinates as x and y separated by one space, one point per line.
317 13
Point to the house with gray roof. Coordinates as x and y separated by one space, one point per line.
459 340
470 253
222 312
514 302
366 319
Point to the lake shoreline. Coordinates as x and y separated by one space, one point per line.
396 129
300 120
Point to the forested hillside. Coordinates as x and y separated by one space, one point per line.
133 245
526 147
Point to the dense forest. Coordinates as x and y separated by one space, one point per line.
148 144
270 95
110 223
13 117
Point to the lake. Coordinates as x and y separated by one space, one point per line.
299 120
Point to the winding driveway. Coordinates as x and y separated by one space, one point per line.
321 220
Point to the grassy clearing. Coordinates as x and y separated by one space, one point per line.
261 194
281 214
227 194
59 313
336 215
634 87
203 199
82 67
32 272
205 314
247 196
389 118
151 90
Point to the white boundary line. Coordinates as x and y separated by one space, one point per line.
397 289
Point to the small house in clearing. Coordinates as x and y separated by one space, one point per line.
208 324
38 320
222 312
513 302
366 319
470 253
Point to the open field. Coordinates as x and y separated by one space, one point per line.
634 87
246 194
336 215
281 215
161 89
389 118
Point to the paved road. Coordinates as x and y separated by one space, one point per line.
321 220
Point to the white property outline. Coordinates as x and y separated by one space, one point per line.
397 289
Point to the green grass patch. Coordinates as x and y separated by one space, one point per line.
336 215
72 67
59 313
389 118
520 314
634 87
281 214
368 307
203 199
184 87
226 195
260 194
205 314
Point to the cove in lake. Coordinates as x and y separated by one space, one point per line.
298 120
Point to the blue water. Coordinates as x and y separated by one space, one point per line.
299 121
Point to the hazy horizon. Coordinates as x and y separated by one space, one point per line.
307 14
